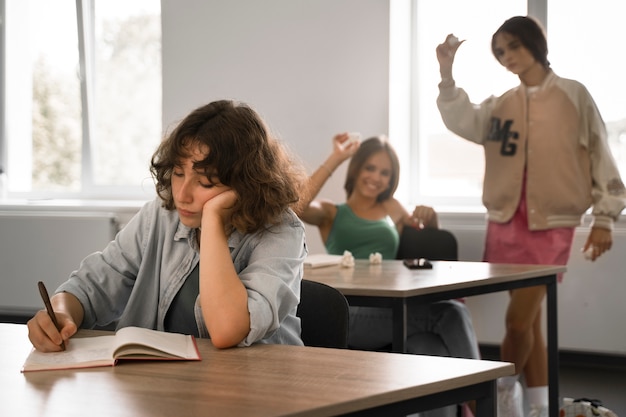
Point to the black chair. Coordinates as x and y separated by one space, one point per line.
429 243
323 313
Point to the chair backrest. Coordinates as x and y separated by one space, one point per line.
323 313
429 243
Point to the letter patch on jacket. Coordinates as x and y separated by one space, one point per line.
500 132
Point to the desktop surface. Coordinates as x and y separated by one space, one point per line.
391 278
261 380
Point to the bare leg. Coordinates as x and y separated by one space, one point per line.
536 369
523 312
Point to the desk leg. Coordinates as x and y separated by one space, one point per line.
553 348
486 406
399 317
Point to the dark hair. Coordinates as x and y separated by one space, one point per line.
530 34
368 148
242 154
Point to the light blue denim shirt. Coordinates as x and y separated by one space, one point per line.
135 278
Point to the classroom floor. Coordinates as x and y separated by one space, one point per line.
584 376
605 384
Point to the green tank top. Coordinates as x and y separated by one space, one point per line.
362 237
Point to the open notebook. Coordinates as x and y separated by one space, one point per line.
127 343
322 259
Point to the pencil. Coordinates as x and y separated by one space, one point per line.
46 301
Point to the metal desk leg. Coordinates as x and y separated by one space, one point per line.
486 406
553 348
399 317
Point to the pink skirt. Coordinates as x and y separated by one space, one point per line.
515 243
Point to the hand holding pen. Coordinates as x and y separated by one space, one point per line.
46 301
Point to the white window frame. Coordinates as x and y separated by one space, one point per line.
89 190
3 146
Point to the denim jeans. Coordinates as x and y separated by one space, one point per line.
443 328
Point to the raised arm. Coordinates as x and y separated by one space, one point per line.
445 55
311 211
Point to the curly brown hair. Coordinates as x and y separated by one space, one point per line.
242 154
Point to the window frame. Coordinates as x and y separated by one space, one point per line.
89 189
85 15
3 142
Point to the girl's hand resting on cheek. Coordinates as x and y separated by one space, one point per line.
220 206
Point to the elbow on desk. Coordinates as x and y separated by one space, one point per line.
226 338
223 343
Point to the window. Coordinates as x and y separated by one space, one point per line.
445 170
82 97
594 57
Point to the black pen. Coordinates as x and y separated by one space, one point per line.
46 301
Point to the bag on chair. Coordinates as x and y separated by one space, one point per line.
584 407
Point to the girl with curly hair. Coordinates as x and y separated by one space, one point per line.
217 254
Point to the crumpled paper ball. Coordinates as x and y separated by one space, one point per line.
348 260
376 258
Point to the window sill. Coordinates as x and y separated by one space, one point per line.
70 205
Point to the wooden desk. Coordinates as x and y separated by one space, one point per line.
391 284
261 380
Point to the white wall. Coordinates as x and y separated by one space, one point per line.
311 68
